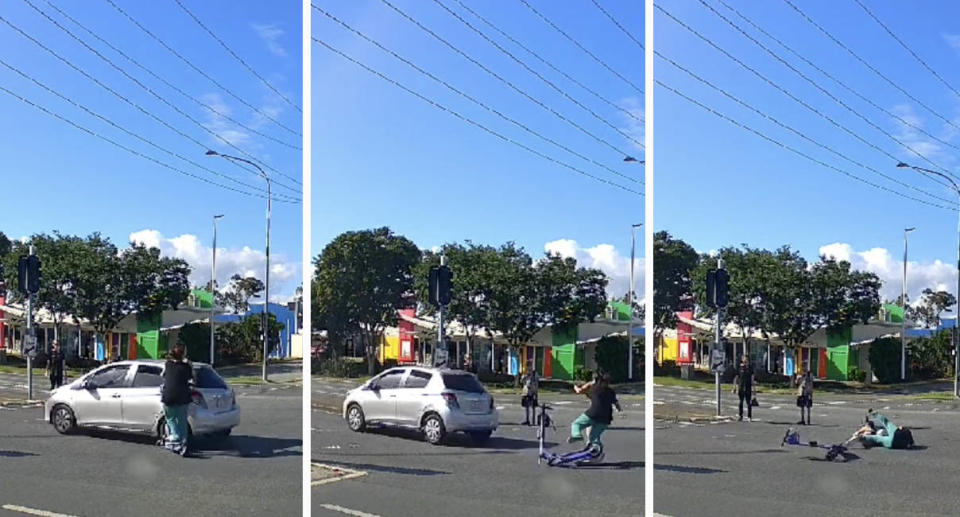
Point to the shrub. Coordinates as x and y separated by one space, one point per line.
885 359
610 354
666 368
581 374
342 367
856 374
931 358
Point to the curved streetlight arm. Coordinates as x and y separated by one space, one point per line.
930 171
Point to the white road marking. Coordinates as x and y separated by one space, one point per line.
347 511
774 408
836 402
33 511
347 474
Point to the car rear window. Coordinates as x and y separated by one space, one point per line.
205 377
462 382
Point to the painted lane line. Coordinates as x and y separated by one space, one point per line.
340 472
357 513
33 511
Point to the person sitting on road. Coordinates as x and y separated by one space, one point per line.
595 420
531 385
880 430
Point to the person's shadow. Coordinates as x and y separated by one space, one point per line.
244 446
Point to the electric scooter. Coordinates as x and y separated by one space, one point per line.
592 453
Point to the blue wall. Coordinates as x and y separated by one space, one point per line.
284 316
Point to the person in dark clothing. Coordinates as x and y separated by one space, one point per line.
743 383
881 431
176 397
55 366
599 416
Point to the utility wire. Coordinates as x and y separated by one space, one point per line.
467 96
871 67
125 148
551 65
791 129
581 47
156 95
121 128
796 151
237 57
168 83
472 122
838 81
539 76
502 79
617 23
817 85
777 86
200 70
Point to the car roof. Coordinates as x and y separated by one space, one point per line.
153 362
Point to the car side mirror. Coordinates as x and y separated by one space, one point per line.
374 387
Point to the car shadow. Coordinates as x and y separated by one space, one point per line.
684 469
463 440
244 446
16 454
370 467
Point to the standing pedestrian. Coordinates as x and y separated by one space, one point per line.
805 395
175 396
531 385
743 383
55 366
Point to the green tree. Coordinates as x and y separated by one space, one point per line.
362 278
843 296
674 261
932 305
238 293
512 296
569 294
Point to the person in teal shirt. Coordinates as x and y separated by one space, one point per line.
883 432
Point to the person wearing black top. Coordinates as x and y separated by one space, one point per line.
599 416
55 366
176 397
743 383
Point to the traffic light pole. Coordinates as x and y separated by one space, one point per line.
717 341
30 333
443 262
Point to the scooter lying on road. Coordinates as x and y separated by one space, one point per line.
592 453
834 451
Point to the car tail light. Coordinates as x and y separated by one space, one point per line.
198 399
233 396
451 400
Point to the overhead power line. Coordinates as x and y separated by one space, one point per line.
200 70
581 47
128 149
168 83
777 86
125 130
551 65
838 81
617 23
237 57
793 130
153 93
816 85
471 121
538 75
499 77
794 150
870 67
467 96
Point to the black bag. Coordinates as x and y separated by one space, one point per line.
902 439
754 403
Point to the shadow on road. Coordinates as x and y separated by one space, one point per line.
614 465
391 469
795 424
15 454
685 469
723 453
205 447
463 440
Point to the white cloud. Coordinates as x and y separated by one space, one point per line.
953 40
935 275
284 274
270 33
219 124
606 258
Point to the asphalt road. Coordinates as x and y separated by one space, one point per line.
739 468
257 471
404 476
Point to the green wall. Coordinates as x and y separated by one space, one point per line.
151 343
564 353
838 354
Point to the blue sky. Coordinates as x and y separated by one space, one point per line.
719 185
382 157
59 178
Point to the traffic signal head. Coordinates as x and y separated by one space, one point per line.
711 287
432 288
722 288
444 285
28 274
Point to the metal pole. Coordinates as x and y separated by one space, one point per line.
30 333
633 242
266 301
903 303
443 262
213 287
717 344
956 336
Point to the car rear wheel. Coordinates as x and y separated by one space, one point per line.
63 419
480 437
433 429
355 418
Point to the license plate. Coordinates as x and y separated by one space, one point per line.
478 405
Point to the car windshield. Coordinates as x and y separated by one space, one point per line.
462 382
206 377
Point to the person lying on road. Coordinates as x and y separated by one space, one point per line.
880 430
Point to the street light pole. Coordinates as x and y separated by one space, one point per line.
633 243
213 287
956 336
266 300
903 303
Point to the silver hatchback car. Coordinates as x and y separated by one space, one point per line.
436 401
126 396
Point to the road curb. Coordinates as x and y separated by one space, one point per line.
21 403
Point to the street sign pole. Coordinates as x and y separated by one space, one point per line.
717 335
443 262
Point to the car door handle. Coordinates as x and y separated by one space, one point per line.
115 395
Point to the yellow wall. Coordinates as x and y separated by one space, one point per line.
669 350
390 348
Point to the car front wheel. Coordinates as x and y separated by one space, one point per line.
355 418
63 420
433 429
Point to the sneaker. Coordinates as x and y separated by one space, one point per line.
749 419
740 418
801 423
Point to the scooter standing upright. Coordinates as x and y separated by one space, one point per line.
591 453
